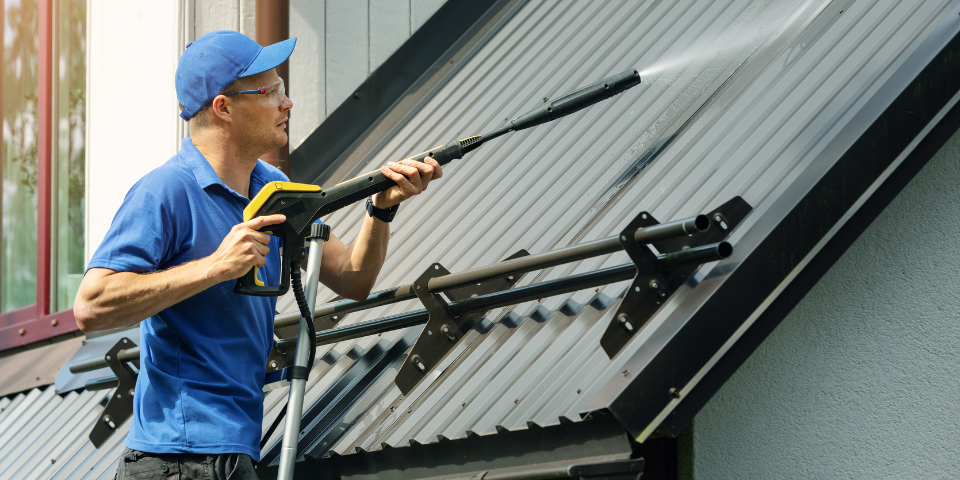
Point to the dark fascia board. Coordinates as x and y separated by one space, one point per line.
432 53
812 273
915 108
595 446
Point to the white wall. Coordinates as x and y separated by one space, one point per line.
211 15
308 67
862 379
132 122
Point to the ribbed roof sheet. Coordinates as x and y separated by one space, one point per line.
44 435
740 98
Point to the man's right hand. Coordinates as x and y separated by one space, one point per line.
243 248
110 299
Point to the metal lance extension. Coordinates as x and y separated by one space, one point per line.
303 359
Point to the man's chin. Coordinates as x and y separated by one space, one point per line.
279 141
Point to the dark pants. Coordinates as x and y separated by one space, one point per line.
183 466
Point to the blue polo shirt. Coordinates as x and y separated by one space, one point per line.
203 360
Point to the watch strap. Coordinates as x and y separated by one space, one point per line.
383 214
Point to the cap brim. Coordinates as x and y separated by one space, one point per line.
270 57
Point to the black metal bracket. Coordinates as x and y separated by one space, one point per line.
277 361
651 287
645 294
443 331
120 406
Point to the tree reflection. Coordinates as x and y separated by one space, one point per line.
19 188
71 90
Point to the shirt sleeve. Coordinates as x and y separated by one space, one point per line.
143 234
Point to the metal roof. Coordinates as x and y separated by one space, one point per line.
748 98
44 436
35 367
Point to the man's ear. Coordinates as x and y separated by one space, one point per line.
221 108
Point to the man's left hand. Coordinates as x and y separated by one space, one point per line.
412 178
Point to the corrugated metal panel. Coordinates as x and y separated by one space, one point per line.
44 436
757 92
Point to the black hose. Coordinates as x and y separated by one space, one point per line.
304 312
273 427
312 335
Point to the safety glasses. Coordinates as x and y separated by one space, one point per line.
273 93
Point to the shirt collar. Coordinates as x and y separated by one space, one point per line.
207 176
202 170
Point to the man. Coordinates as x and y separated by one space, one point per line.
176 246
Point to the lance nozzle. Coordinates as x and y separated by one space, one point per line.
577 100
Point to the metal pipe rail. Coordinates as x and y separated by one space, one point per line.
653 233
694 256
484 302
102 383
672 261
97 363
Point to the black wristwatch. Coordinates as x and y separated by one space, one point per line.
385 215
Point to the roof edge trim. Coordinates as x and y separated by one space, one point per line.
537 452
822 211
818 266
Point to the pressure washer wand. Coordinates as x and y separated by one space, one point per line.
362 186
303 204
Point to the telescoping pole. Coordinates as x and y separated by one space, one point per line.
302 358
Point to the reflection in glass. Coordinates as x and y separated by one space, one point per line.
70 91
18 168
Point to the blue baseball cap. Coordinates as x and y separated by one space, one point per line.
217 59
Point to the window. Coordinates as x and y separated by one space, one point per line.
69 152
42 163
18 262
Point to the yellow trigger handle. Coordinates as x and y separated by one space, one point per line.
253 208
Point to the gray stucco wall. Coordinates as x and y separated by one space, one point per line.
862 379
